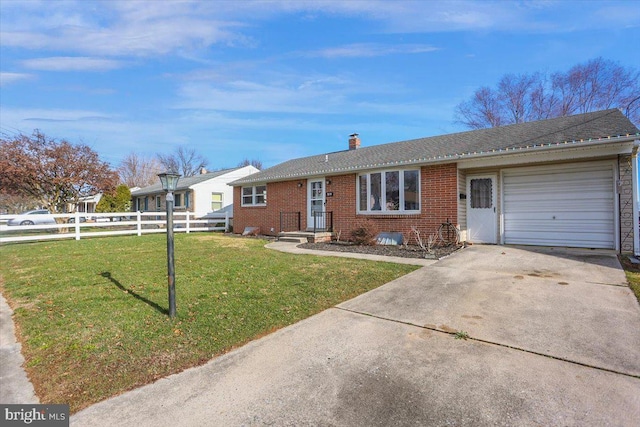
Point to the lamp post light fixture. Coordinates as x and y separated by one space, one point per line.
169 182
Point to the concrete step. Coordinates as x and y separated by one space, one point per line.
293 239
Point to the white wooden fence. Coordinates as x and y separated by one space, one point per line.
82 225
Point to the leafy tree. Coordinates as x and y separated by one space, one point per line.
597 84
184 160
138 171
253 162
52 173
118 201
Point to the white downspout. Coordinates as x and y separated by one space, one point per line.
636 195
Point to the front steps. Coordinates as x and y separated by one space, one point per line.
305 236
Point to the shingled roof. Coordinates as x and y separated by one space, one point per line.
604 126
183 183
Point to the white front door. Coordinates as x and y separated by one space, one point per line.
482 220
315 207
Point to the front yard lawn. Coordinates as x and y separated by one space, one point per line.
92 314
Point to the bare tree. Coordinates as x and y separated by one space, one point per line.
482 110
184 161
253 162
594 85
138 171
544 101
514 95
52 173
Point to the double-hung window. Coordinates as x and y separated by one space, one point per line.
216 201
254 196
392 191
177 200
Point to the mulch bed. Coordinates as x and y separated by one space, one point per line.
408 251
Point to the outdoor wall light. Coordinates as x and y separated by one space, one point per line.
300 185
169 182
328 182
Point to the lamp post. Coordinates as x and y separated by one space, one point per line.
169 182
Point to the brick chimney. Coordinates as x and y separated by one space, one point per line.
354 142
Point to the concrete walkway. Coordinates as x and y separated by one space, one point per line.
14 384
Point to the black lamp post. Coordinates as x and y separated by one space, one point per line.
169 182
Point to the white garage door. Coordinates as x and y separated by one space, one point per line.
560 205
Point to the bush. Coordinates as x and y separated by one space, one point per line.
365 233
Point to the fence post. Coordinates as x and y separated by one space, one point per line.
187 220
226 221
139 222
77 225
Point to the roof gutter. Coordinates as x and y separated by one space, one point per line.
549 146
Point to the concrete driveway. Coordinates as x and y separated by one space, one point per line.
554 340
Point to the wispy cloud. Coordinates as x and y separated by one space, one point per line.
72 63
20 115
125 28
369 50
9 78
152 28
247 96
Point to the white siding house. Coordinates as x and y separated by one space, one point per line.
200 194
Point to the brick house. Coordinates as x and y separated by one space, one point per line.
569 181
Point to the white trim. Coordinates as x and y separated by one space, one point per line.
324 198
254 194
494 196
382 172
577 153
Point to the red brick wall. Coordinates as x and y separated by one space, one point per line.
439 202
281 197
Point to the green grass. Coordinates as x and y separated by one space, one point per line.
91 314
633 274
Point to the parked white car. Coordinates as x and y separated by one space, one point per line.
38 216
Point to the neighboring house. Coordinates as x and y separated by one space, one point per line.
560 182
86 204
201 194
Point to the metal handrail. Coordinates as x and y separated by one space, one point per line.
290 221
322 220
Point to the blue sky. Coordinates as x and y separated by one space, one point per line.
275 80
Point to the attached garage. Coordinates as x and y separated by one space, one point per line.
570 204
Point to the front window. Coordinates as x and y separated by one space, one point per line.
254 196
389 191
178 200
